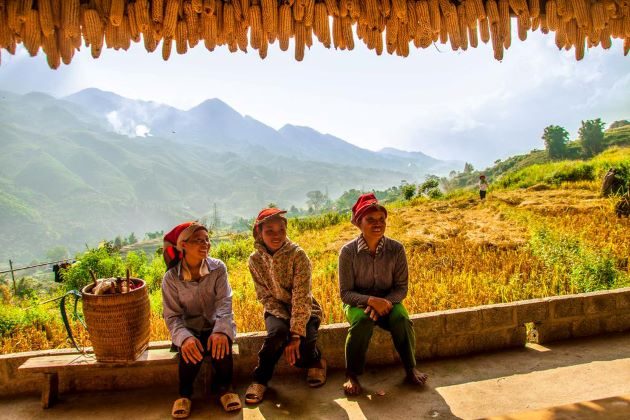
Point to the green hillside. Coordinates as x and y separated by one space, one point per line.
68 181
553 174
509 171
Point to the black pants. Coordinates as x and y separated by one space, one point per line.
482 194
221 369
278 336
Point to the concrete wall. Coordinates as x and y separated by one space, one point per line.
438 334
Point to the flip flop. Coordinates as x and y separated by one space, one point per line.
255 393
181 408
230 401
316 377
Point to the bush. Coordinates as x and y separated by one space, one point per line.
137 264
103 261
586 270
10 317
572 173
302 224
13 317
408 191
430 188
154 272
594 272
236 249
155 300
434 193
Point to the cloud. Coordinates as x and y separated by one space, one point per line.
550 89
142 131
122 124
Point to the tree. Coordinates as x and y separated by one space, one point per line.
132 239
347 199
118 242
430 187
150 235
468 168
408 191
452 174
555 138
431 181
591 135
316 200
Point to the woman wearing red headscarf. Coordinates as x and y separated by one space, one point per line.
197 301
282 277
373 281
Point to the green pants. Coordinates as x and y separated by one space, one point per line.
361 326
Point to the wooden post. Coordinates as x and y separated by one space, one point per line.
50 389
13 277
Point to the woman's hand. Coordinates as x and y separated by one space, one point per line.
380 305
219 345
292 351
192 350
371 312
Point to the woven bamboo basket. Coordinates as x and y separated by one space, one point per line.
118 324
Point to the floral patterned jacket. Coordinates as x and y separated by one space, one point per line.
283 284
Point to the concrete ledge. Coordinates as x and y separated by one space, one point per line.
438 334
564 307
534 310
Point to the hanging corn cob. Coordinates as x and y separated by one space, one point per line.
60 27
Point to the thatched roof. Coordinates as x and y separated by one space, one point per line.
59 27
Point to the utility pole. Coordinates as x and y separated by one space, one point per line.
216 221
13 277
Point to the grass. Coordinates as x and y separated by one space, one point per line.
556 173
520 244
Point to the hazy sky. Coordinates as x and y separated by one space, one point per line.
463 106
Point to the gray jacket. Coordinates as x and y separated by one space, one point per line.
191 307
361 275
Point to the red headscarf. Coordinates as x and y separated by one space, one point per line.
365 204
173 251
266 214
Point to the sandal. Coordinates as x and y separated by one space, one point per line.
255 393
230 401
316 377
181 408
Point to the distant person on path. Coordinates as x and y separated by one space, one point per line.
197 301
281 272
483 187
373 281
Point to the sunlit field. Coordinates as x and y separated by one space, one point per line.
519 244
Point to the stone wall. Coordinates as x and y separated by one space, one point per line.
438 334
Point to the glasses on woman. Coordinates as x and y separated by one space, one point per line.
199 241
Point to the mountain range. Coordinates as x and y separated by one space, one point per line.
94 165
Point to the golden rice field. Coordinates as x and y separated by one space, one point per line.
461 253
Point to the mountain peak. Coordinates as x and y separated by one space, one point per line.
288 128
401 153
95 93
213 106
